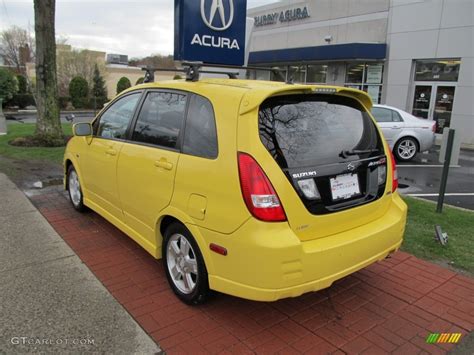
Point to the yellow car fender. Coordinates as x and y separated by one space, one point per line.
70 156
191 226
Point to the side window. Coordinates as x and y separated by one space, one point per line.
396 116
160 119
382 114
114 122
200 137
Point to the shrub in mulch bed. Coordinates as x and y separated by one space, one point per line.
39 141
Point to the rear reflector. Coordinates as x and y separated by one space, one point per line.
308 186
394 173
381 174
218 249
259 195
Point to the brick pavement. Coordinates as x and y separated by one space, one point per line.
389 307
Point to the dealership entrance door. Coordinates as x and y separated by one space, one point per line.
434 86
434 101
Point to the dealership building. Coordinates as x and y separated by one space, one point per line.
417 55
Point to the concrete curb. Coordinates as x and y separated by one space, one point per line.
50 301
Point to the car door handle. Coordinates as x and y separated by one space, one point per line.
111 152
396 127
163 163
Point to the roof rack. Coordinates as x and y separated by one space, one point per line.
194 69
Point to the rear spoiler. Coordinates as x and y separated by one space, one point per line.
254 98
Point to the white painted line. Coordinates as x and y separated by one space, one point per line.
448 194
426 166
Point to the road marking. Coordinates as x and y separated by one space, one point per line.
426 166
448 194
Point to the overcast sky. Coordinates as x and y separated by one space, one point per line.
137 28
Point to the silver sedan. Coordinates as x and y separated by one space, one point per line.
405 134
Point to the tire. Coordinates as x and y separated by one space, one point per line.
184 265
75 190
405 149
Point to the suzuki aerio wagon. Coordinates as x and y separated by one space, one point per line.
256 189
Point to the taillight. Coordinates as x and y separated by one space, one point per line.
433 128
258 192
394 173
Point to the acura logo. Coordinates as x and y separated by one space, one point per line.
216 17
350 167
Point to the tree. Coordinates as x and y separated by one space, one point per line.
17 47
22 84
98 88
78 91
123 84
48 123
72 62
155 61
8 84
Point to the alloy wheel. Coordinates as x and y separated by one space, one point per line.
182 263
74 188
406 149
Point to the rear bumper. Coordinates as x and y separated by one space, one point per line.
267 262
427 141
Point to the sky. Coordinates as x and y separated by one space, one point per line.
136 28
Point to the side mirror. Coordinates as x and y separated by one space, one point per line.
82 129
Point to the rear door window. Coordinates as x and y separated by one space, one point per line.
382 114
312 130
160 119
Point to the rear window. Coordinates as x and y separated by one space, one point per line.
311 130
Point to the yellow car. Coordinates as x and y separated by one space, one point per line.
256 189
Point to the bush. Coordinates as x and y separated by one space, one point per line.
97 103
140 80
80 102
21 101
78 91
177 77
22 84
123 84
63 102
8 84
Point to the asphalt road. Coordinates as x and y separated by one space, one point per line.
422 178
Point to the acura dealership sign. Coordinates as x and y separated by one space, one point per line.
210 31
294 14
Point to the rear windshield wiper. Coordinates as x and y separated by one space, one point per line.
346 153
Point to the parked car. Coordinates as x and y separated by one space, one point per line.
405 134
260 190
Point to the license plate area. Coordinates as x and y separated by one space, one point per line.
344 187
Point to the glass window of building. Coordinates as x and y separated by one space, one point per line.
316 73
367 77
437 70
355 73
297 73
279 74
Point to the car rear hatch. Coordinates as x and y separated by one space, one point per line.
332 155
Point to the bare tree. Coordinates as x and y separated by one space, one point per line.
48 123
72 63
17 47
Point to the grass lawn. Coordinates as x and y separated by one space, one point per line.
419 236
25 129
